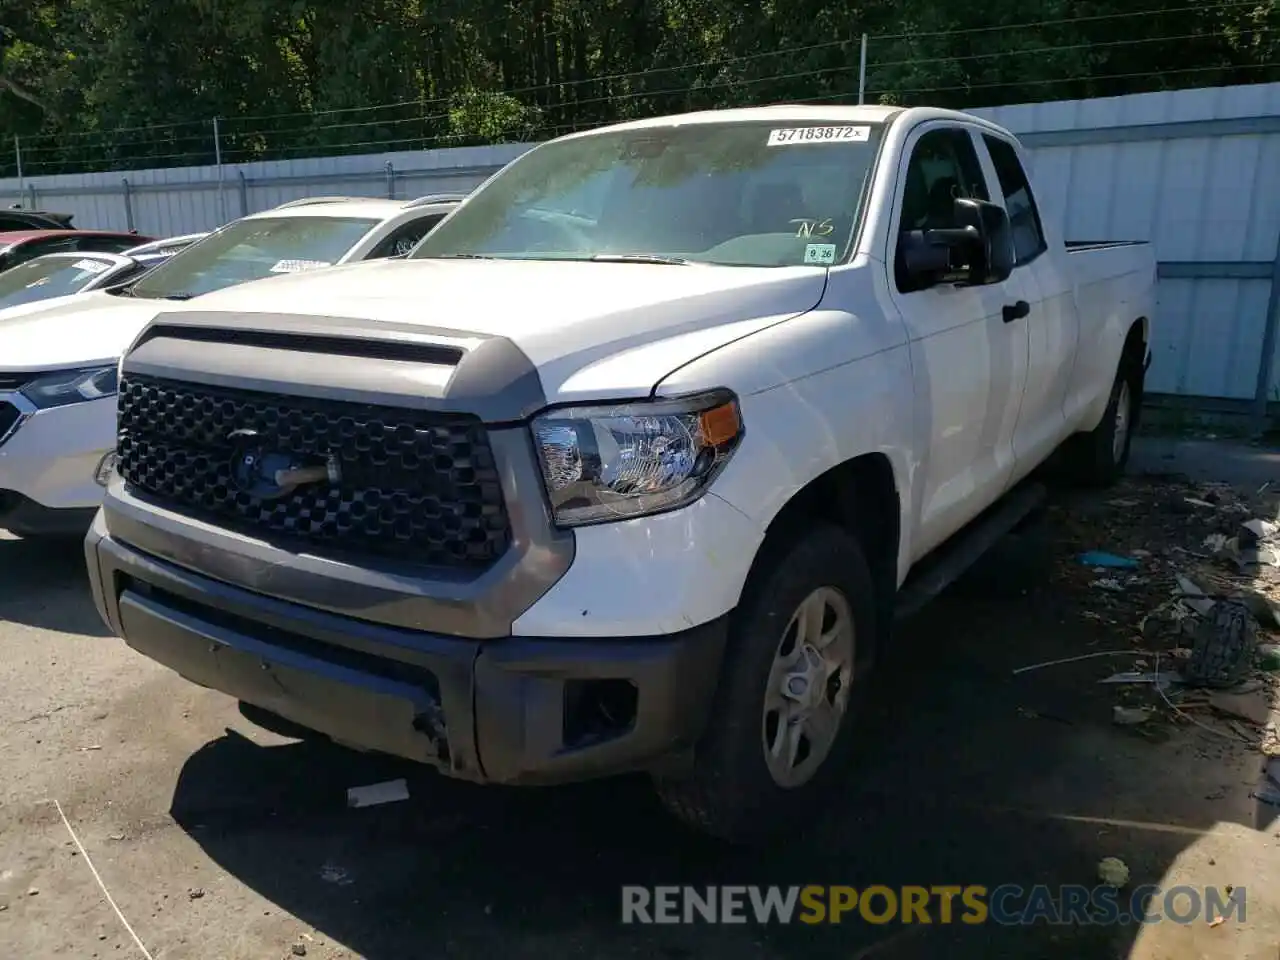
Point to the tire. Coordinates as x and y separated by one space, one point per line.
732 793
1098 458
1223 647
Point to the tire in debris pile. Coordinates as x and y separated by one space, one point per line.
1223 647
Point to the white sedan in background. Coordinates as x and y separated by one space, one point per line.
38 283
58 364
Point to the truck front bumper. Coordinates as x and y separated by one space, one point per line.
511 710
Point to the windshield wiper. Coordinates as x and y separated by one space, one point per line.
639 258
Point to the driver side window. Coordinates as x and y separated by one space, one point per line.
944 165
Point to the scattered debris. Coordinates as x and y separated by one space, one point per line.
332 873
1253 706
1083 656
33 891
1122 503
389 791
1108 583
1100 558
1197 502
299 949
1113 871
1131 716
195 893
1217 922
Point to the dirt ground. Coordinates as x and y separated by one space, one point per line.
217 840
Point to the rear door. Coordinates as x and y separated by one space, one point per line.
1052 326
969 365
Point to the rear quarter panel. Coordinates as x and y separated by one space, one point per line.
1114 287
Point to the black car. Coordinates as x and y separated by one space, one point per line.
15 218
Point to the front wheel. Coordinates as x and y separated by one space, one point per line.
799 649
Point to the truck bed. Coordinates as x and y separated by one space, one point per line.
1109 273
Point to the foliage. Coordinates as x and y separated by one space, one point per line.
101 84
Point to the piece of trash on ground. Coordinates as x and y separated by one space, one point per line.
1124 504
1100 558
332 873
1193 596
389 791
1108 583
1131 716
1196 502
1162 679
1113 871
1253 706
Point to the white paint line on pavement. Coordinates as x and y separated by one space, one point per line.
97 876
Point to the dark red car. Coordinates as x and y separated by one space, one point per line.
18 246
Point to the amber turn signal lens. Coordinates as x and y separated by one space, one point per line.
720 424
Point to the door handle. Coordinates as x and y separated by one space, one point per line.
1016 311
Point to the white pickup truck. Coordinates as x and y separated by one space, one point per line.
631 463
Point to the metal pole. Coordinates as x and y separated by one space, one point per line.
862 73
1258 422
244 194
128 202
391 181
217 155
17 152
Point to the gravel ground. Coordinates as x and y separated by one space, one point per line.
218 840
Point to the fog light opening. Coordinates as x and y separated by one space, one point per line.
598 710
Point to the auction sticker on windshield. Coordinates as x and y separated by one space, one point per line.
297 266
843 134
89 266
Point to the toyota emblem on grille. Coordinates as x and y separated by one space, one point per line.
269 474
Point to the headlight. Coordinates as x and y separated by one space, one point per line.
72 386
613 462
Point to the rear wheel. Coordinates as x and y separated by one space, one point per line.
1098 458
798 653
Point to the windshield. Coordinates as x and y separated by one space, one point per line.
250 250
43 278
749 194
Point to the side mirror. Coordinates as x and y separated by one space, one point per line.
976 252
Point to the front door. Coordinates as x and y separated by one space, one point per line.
969 365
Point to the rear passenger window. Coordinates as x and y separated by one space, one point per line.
1028 235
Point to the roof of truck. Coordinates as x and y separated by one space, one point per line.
782 112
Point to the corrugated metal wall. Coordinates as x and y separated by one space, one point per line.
1197 172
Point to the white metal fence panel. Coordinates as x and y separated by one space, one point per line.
1197 173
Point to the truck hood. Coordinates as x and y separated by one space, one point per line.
592 330
80 330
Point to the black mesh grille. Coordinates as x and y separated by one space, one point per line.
414 485
8 417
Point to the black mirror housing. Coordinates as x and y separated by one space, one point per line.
990 256
977 251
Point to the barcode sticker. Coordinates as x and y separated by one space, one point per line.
298 266
796 135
